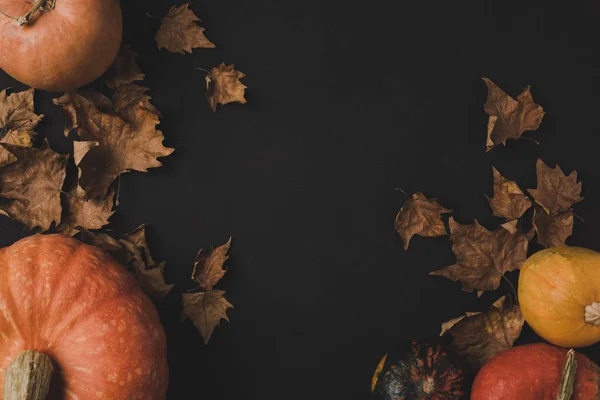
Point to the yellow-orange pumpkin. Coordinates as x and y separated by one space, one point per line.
559 295
76 305
65 44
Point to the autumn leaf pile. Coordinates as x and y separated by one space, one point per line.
483 256
77 193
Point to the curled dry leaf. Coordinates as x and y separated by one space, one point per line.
223 86
208 268
107 243
483 256
420 216
34 183
555 191
552 230
124 145
509 201
179 32
509 118
80 212
479 336
205 310
124 70
17 121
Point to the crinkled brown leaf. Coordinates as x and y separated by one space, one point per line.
123 146
479 336
124 70
131 103
205 310
107 243
208 268
509 201
17 121
420 216
555 191
509 118
84 213
552 230
34 183
223 86
179 32
483 256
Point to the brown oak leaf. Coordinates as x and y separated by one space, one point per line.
179 32
552 230
80 212
509 118
555 191
420 216
17 121
124 70
205 310
34 183
123 145
509 201
223 86
483 256
208 268
479 336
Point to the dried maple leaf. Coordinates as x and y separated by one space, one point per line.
552 230
483 256
107 243
17 121
179 32
509 201
479 336
509 118
81 212
420 216
124 70
555 191
34 183
223 86
208 268
131 103
205 310
123 146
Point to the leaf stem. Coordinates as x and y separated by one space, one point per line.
203 70
512 288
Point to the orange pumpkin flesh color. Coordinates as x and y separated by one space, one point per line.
75 304
535 372
64 45
559 295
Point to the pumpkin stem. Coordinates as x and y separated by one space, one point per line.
592 314
565 390
38 5
28 377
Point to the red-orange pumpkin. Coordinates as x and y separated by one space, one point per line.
65 44
75 304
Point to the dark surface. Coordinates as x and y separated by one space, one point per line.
346 103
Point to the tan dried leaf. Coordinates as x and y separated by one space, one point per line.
124 70
131 103
205 310
223 86
81 212
34 183
208 268
483 256
555 191
179 32
446 326
107 243
80 149
17 121
420 216
509 201
123 146
479 336
509 118
552 230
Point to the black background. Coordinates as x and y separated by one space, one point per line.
346 104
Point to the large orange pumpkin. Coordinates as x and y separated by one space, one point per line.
74 304
63 45
559 295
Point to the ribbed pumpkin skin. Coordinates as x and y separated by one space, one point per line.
533 372
61 49
77 305
555 285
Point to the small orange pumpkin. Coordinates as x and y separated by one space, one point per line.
69 307
559 295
